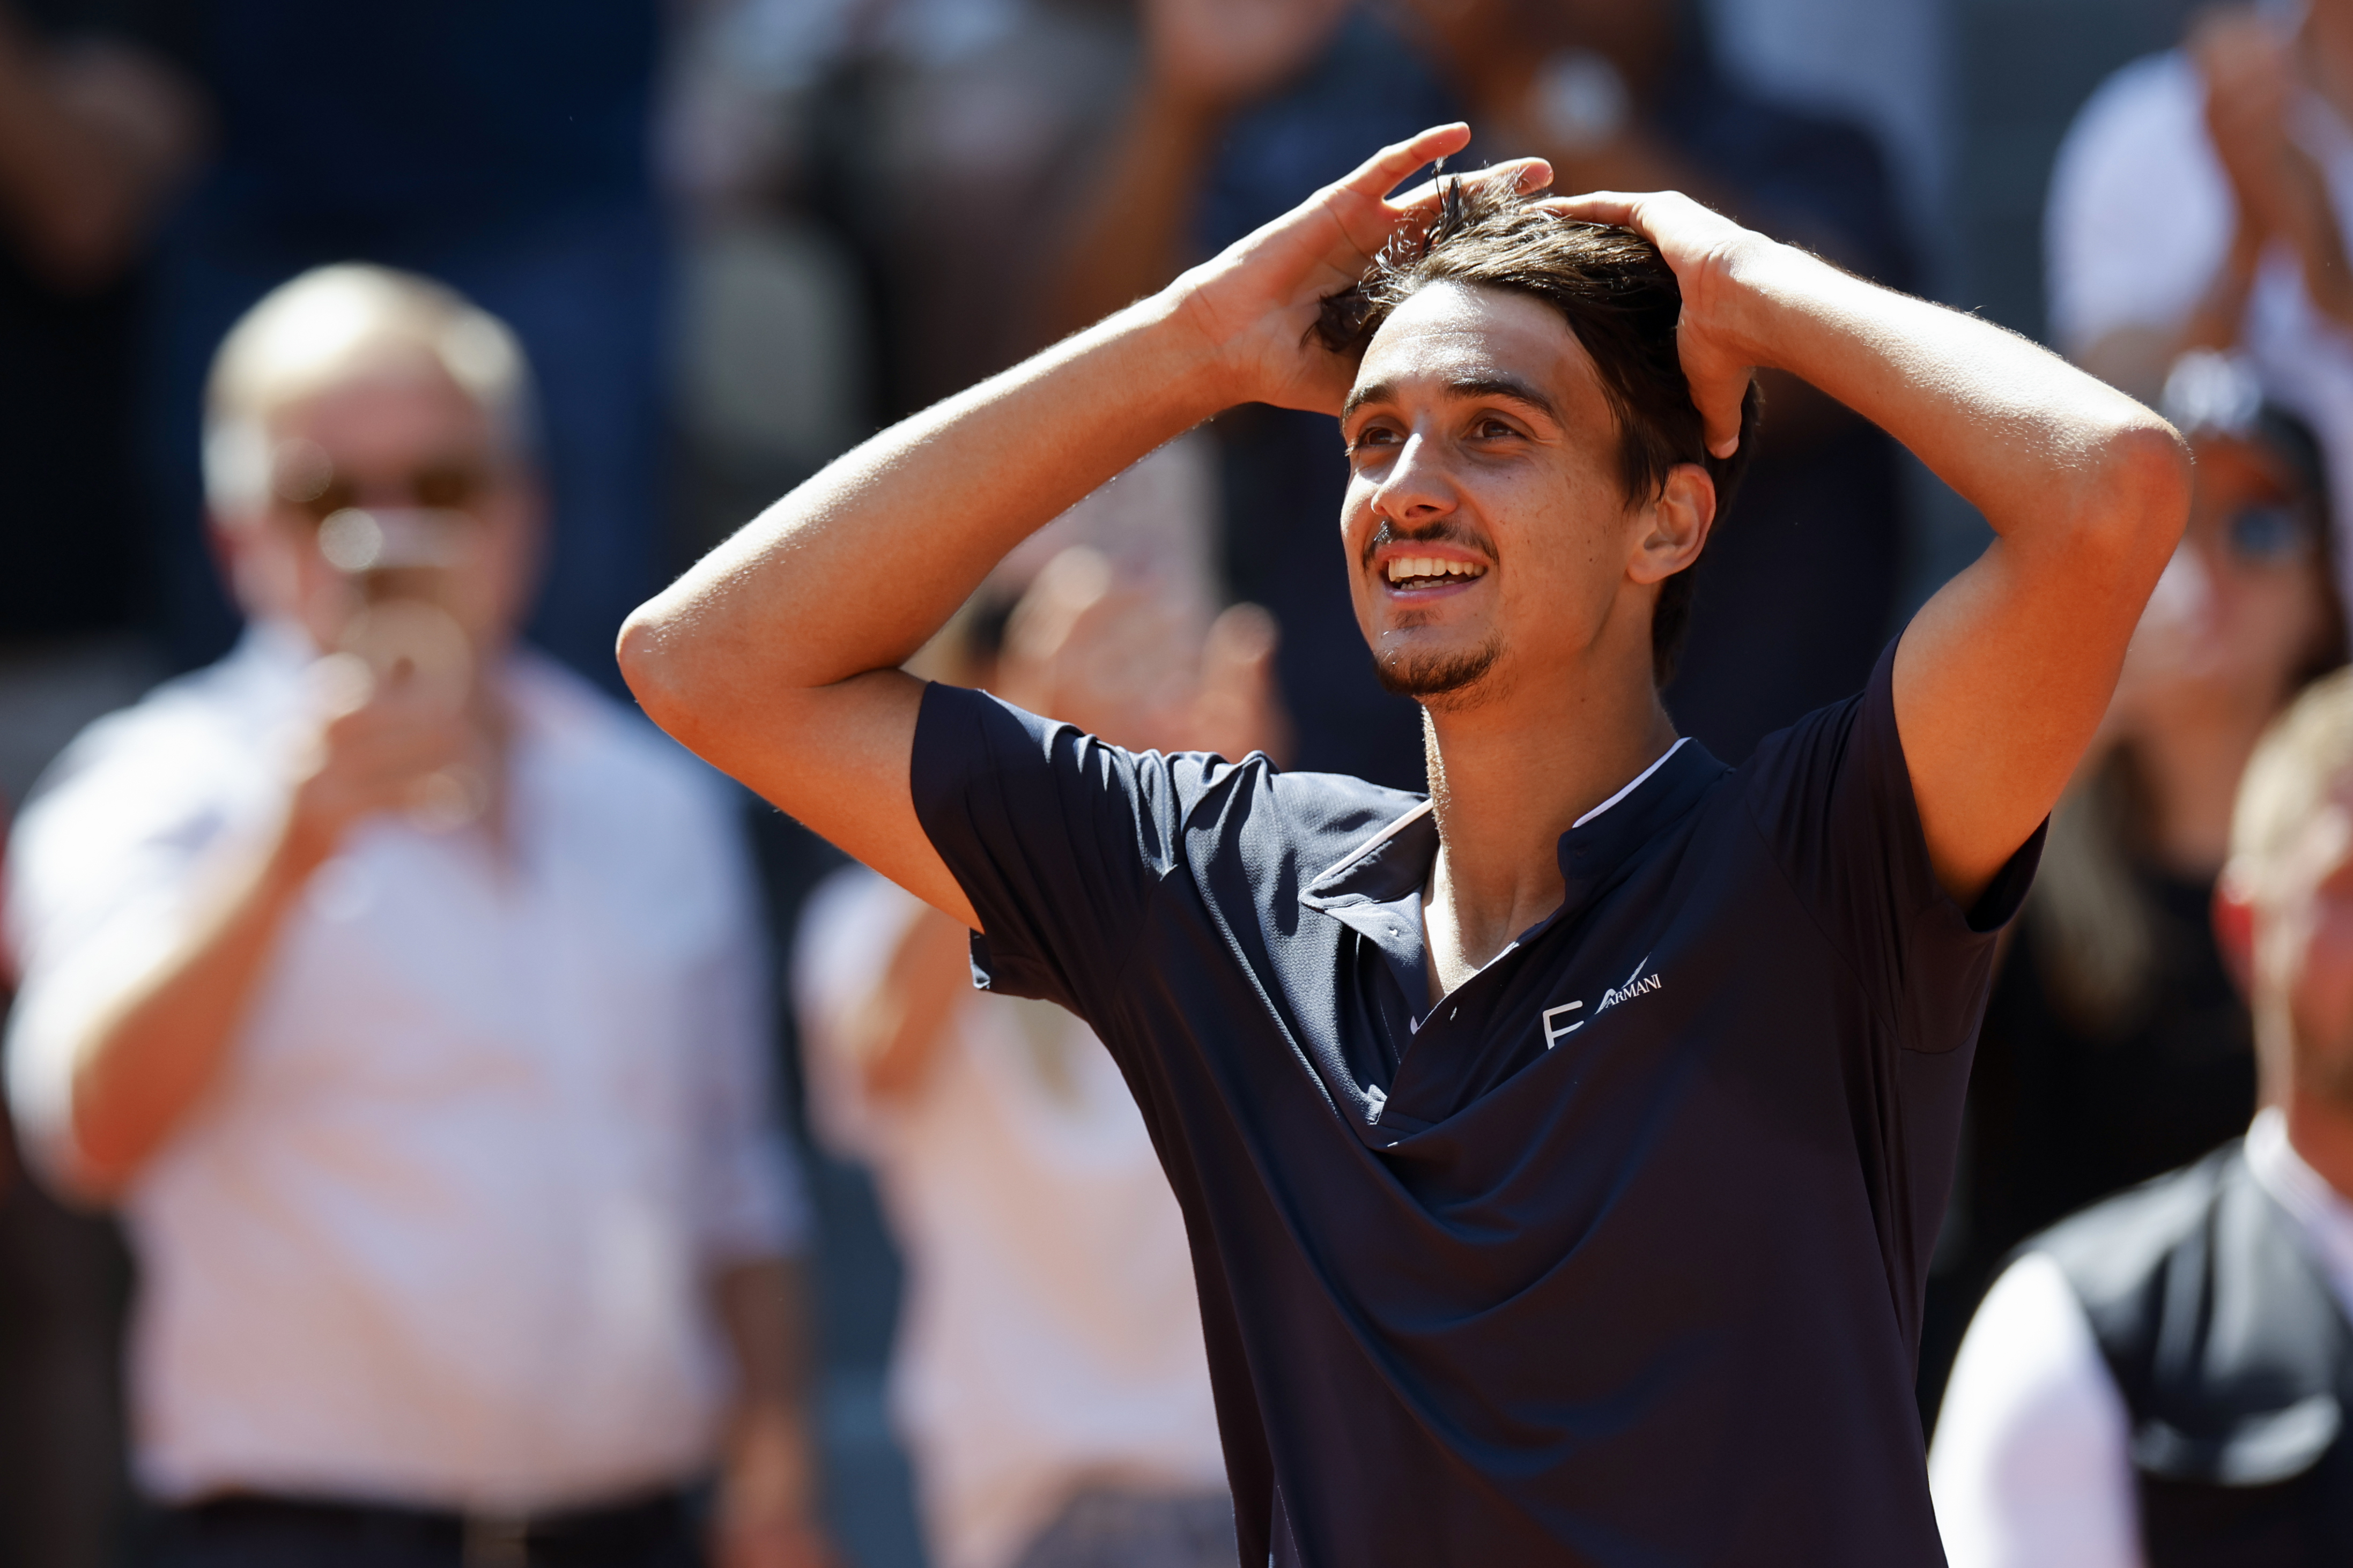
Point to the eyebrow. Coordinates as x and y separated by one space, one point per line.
1501 386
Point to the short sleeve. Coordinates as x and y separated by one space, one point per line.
1058 839
2139 215
1833 798
102 887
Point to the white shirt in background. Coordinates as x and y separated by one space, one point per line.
1050 1336
442 1233
2031 1468
2138 225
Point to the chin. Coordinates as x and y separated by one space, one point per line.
1440 679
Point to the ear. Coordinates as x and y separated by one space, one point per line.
1675 526
2234 924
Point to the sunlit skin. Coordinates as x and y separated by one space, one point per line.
759 660
1478 436
1478 432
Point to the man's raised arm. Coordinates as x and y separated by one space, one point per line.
2004 675
776 659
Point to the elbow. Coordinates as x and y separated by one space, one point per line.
656 666
2139 500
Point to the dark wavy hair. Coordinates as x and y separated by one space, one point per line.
1617 295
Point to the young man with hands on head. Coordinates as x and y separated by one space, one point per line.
1560 1154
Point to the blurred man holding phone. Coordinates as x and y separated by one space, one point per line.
407 997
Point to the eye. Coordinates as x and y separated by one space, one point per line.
1374 435
2268 535
1490 428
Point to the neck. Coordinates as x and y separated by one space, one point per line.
2190 765
1507 778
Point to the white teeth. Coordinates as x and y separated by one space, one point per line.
1405 567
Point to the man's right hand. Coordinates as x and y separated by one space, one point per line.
1257 302
776 657
374 748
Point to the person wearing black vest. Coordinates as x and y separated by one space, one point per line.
1560 1154
2166 1378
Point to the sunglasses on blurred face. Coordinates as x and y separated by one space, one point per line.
373 524
320 491
2270 534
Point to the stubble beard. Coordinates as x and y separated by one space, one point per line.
1439 681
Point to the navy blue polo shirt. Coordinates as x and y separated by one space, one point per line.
1617 1255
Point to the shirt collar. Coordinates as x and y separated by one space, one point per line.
2319 1210
1396 860
1376 888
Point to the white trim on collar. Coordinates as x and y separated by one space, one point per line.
1633 784
1420 810
1423 808
2323 1213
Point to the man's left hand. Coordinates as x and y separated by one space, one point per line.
1708 252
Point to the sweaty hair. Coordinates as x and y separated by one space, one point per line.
1619 297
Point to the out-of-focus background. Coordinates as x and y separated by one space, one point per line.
735 236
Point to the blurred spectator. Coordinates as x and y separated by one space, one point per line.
503 149
1245 105
2161 1380
2201 199
408 1002
1049 1380
2115 1047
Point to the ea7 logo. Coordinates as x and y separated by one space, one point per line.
1637 984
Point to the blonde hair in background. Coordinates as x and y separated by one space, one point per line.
2295 768
310 332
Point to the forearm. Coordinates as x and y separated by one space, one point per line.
859 567
762 1306
897 1032
2049 454
150 1060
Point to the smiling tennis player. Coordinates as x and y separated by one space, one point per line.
1561 1153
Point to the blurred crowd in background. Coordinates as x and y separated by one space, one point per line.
730 237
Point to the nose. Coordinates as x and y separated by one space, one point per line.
1417 490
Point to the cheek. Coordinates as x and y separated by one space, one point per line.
2320 978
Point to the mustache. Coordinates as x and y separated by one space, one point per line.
1445 531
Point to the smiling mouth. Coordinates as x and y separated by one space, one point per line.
1410 572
